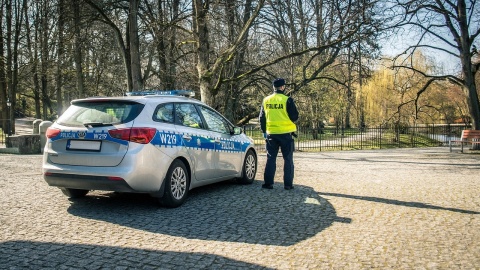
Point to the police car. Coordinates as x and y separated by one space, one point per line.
159 142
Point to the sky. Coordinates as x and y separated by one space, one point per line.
396 45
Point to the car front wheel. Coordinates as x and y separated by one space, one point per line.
176 185
249 168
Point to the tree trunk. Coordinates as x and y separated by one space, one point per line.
232 67
8 45
319 23
59 77
78 49
33 55
348 106
165 35
235 67
469 87
136 67
16 41
46 105
3 82
160 33
172 68
200 9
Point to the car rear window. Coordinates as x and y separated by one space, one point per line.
100 113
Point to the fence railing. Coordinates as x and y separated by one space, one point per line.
333 138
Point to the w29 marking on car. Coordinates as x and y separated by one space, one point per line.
168 138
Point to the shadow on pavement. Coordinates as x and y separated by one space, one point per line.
401 203
220 212
38 255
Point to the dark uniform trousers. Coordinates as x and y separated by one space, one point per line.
285 143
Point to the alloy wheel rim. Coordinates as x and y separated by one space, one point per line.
250 167
178 183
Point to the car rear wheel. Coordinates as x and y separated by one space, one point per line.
74 193
176 185
249 168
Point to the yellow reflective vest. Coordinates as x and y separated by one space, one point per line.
277 120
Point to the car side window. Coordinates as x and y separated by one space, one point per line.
186 114
215 122
164 113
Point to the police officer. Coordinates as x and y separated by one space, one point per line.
277 117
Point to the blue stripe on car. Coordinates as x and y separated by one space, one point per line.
81 135
170 139
164 139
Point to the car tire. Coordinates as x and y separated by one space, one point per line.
249 169
176 185
74 193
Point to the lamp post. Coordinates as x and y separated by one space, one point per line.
9 130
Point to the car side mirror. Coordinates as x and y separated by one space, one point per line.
237 130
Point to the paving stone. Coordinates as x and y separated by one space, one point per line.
384 209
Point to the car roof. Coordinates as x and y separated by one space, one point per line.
141 99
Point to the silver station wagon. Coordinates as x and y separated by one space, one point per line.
158 142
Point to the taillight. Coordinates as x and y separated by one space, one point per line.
114 178
137 135
52 132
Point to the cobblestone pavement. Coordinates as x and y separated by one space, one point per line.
384 209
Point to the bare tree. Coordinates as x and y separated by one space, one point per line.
10 64
43 38
127 45
32 55
451 27
232 96
78 49
287 28
134 45
208 66
60 55
229 51
163 21
3 79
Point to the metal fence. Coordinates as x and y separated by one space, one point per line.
382 137
337 138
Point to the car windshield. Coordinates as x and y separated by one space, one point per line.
100 113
